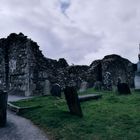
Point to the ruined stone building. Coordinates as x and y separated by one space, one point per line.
24 69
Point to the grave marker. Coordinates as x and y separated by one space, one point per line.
73 101
56 90
3 108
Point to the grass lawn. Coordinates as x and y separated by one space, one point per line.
111 118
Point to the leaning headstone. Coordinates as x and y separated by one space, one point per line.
83 86
46 87
73 101
56 90
123 89
107 81
3 108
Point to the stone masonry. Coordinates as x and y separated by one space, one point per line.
24 69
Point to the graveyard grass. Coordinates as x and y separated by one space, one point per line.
113 117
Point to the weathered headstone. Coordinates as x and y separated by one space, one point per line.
56 90
123 88
83 86
46 87
73 101
3 108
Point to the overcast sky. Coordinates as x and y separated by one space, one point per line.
78 30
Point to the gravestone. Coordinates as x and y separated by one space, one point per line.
3 108
56 90
46 87
73 101
123 89
83 86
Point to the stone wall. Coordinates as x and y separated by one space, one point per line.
16 55
2 65
117 66
24 69
94 73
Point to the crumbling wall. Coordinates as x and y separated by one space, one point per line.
2 65
24 69
18 77
119 68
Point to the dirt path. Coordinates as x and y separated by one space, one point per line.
19 128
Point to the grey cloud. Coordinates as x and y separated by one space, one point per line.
98 27
78 45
